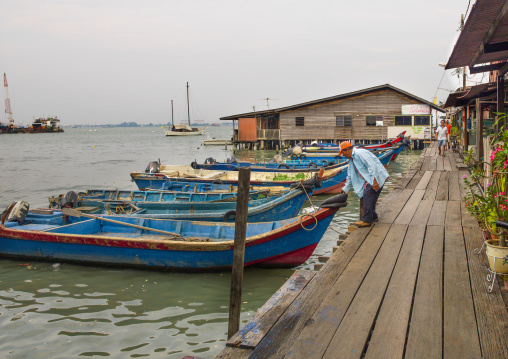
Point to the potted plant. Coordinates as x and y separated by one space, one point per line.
487 198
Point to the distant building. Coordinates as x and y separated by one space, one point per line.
363 115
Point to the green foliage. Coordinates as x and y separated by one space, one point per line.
492 204
454 131
287 177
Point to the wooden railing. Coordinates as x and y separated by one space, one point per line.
268 134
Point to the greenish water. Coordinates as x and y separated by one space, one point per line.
58 310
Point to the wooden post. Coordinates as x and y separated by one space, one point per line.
479 130
235 299
500 103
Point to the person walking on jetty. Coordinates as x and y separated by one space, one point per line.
441 136
449 128
367 175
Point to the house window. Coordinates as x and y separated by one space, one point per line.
373 120
299 121
341 121
422 120
402 120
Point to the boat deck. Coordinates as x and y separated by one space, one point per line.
410 286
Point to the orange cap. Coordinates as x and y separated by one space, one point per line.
344 145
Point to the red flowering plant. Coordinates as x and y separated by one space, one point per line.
490 203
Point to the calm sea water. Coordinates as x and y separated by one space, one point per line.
58 310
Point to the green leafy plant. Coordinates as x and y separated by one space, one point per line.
455 131
489 204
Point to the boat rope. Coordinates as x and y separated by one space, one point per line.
300 217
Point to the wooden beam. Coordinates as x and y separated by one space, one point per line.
500 103
486 68
497 47
488 36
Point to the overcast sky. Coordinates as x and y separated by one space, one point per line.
99 62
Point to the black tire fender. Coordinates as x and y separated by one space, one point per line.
228 214
312 165
283 165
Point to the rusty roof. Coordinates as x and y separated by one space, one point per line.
484 38
462 98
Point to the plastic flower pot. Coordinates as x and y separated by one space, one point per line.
498 256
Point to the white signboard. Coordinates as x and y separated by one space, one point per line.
415 109
416 132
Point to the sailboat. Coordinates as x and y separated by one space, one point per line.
183 130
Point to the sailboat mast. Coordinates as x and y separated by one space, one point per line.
188 109
172 119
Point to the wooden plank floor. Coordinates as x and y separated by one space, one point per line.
410 286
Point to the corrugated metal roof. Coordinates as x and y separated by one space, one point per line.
333 98
461 98
482 17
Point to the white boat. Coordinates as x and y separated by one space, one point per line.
183 130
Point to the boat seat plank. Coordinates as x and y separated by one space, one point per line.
250 335
389 333
361 314
425 330
460 333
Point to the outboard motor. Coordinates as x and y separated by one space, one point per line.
194 165
210 161
18 212
406 142
287 153
231 159
153 167
68 200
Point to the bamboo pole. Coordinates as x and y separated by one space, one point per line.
235 299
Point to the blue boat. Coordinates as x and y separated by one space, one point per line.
331 180
193 246
309 166
162 196
274 208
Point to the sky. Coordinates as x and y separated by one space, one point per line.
108 61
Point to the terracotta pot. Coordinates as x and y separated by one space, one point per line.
498 257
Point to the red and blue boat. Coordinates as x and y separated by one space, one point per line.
195 246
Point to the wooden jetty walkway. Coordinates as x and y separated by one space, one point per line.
411 286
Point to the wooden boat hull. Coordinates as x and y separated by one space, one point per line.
287 245
261 210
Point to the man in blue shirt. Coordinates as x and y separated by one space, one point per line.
367 175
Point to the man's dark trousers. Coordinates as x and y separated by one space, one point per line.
369 203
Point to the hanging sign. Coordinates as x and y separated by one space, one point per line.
415 109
